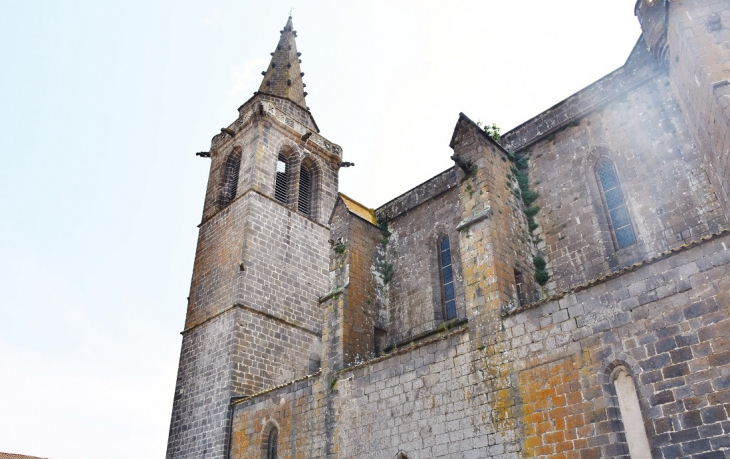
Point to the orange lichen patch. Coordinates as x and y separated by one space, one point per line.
501 400
551 412
251 428
360 210
240 443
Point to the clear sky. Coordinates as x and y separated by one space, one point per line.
104 105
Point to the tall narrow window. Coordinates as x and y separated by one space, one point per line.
305 190
272 444
230 178
613 199
281 191
447 278
314 363
630 409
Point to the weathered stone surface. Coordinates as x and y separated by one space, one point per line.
522 370
533 398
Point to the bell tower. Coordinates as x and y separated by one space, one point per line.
262 258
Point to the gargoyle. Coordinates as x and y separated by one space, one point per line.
464 165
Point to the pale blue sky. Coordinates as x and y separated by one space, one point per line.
104 105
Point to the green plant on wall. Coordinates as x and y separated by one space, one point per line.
520 170
541 274
384 268
492 131
385 232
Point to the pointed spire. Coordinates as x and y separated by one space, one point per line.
283 78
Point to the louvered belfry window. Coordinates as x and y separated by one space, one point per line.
230 178
305 190
447 278
613 199
281 192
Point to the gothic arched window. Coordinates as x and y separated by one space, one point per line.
306 182
615 204
230 177
447 278
281 189
272 444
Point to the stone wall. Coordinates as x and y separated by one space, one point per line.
699 68
417 221
664 179
350 318
543 388
217 264
297 410
286 261
202 392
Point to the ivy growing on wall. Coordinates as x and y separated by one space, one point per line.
520 171
383 267
541 274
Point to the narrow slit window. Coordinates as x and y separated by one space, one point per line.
272 444
379 341
520 284
305 191
613 199
314 364
230 178
281 191
447 278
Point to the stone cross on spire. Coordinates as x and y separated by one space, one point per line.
283 78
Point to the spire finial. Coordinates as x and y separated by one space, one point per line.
283 78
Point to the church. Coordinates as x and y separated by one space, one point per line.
562 291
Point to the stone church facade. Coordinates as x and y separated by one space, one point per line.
561 292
